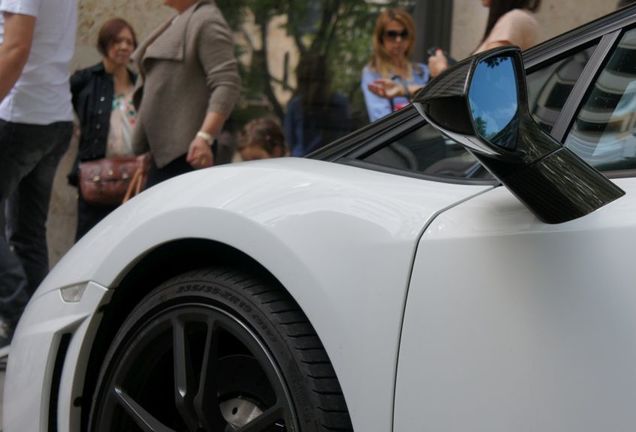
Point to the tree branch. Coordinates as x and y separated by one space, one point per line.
267 81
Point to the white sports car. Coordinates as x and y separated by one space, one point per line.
388 283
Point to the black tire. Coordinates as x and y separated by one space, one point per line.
246 359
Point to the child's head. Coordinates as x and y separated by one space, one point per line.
262 138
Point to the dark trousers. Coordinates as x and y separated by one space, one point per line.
89 215
29 155
176 167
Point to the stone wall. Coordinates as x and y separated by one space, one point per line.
143 15
555 17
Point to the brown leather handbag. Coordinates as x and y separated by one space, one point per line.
111 181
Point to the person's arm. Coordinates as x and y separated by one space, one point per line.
390 89
216 53
78 81
15 49
377 107
494 44
516 27
437 63
200 151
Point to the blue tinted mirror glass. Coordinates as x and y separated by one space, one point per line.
494 101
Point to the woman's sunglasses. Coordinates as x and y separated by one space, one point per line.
393 34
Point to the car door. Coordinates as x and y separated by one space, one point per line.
512 324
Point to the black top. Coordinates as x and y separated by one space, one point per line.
93 91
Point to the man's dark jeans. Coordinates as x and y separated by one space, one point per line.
29 155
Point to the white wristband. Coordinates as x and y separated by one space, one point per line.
208 138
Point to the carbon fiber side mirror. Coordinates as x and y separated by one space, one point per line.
482 103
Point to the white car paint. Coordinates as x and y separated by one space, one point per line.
340 239
515 325
27 389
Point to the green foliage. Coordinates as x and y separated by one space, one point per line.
480 125
339 29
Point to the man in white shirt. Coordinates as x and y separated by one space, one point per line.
37 41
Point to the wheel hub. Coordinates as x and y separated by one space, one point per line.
238 412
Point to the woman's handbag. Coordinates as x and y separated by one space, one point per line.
111 181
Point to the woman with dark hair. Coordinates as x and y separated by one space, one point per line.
393 43
510 22
102 99
316 115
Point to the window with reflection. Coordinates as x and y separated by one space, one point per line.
426 151
603 132
550 86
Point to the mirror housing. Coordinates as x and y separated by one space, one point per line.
482 103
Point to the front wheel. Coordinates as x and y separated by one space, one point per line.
217 351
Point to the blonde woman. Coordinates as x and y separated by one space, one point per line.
393 42
510 22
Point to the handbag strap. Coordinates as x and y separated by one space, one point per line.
138 180
134 187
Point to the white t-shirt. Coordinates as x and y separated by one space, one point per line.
42 94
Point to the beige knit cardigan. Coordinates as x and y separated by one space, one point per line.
187 68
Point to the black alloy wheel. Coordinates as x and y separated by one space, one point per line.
217 351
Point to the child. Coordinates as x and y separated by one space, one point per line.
262 138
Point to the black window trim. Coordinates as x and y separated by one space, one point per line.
577 100
593 67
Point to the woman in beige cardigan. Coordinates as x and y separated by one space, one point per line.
188 86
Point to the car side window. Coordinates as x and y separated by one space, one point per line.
550 86
603 133
426 151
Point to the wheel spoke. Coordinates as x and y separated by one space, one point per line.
206 402
265 421
183 376
146 421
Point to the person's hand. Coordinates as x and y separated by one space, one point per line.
437 63
386 88
200 154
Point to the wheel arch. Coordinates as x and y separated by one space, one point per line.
156 266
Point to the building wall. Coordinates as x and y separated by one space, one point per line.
143 15
555 17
